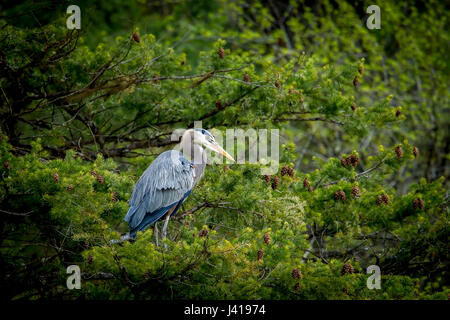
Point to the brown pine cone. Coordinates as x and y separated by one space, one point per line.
306 183
344 162
353 160
398 113
399 151
379 200
336 195
7 165
246 77
100 179
89 260
353 106
219 105
114 196
275 182
69 187
93 173
267 178
277 84
415 152
355 191
267 238
355 81
221 53
310 189
56 177
284 171
203 233
296 274
297 286
136 37
260 254
290 172
418 203
385 198
347 268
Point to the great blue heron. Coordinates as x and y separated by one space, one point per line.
168 181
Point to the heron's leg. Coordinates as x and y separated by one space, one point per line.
164 230
156 234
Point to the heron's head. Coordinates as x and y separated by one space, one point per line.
205 139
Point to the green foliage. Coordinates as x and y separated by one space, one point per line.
84 113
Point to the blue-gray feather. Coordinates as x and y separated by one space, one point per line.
165 183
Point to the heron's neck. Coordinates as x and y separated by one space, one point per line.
193 152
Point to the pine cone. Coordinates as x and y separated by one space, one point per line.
353 106
339 195
203 233
183 62
356 191
89 260
7 165
284 171
336 195
221 53
347 268
418 204
114 196
69 187
56 177
93 173
306 183
379 200
297 286
399 151
296 274
277 84
267 178
385 198
267 238
353 160
415 152
226 168
136 37
219 105
100 179
310 189
290 172
275 182
398 113
246 77
260 254
344 162
355 81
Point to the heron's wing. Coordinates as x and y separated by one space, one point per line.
165 182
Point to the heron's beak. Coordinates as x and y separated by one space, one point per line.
215 147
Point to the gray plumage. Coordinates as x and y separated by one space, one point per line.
165 182
169 180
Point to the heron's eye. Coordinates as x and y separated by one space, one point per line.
203 131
